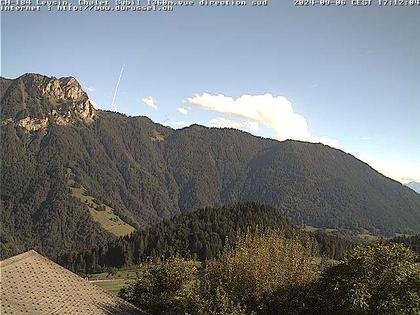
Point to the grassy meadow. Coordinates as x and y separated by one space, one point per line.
101 213
114 281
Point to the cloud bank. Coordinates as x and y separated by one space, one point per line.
150 101
222 122
182 110
274 112
181 123
403 172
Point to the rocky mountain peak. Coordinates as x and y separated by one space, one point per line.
43 100
65 89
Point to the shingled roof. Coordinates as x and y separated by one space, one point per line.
33 284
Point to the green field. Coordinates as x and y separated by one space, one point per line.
368 237
113 283
362 235
310 228
106 216
124 273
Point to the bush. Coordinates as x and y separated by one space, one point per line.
165 287
374 279
264 272
219 302
101 208
268 273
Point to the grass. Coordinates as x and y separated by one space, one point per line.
106 218
123 273
363 235
310 228
113 283
121 278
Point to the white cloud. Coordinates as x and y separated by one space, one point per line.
150 101
182 123
179 124
274 112
253 126
182 110
223 122
90 89
402 171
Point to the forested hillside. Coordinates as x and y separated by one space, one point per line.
147 172
200 235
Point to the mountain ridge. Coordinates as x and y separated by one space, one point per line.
414 186
153 172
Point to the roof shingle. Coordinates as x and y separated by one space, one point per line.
33 284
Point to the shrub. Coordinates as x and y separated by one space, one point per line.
374 279
264 272
165 287
101 208
219 302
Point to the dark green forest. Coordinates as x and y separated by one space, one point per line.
200 235
148 173
221 217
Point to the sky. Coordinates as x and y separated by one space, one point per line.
348 77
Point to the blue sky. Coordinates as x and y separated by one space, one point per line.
348 77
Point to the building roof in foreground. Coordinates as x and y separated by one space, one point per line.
33 284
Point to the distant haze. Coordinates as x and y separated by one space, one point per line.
414 186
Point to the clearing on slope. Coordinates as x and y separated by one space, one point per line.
100 213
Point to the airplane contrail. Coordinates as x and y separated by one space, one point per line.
113 105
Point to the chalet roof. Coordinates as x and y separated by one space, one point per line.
33 284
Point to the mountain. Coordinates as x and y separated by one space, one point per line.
414 186
73 176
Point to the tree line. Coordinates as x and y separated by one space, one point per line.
268 273
200 235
